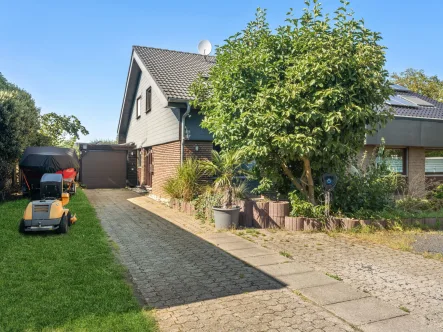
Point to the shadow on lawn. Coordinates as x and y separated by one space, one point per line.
169 265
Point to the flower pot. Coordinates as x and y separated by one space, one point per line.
226 218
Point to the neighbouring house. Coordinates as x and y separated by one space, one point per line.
413 139
156 117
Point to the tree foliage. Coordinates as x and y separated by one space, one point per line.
61 130
297 100
418 81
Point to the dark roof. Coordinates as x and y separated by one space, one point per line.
174 71
424 112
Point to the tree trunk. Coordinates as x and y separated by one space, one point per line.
310 180
291 176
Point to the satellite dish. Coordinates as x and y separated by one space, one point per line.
204 47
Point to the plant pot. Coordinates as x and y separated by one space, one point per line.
226 218
294 223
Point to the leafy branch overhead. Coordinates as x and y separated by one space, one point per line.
297 100
61 130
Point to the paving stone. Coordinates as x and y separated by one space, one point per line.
288 268
250 252
364 311
266 260
239 244
332 293
402 324
192 284
307 279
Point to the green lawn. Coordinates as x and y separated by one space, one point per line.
64 282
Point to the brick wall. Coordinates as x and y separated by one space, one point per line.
167 158
416 171
204 149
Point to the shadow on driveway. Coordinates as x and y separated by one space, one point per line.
169 265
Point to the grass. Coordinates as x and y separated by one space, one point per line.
404 309
285 254
66 282
334 276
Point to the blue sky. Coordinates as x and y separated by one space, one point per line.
73 56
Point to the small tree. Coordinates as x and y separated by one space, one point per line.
298 100
418 81
224 167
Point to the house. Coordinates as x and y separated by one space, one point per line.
414 138
157 118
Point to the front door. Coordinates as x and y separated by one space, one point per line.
149 167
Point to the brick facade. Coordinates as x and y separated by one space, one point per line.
416 170
167 159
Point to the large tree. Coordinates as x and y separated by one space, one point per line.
418 81
297 100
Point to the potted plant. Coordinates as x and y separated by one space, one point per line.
224 167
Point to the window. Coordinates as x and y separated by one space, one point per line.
395 159
138 106
434 162
148 99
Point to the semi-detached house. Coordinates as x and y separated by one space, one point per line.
156 117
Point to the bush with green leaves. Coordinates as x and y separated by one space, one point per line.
303 208
187 181
438 192
365 188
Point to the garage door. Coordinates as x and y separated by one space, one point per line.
103 169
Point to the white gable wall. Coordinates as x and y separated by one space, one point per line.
161 124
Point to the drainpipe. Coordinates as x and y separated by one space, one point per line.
182 142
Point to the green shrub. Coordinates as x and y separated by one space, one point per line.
413 204
187 181
438 192
304 208
365 188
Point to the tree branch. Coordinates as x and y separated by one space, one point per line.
291 176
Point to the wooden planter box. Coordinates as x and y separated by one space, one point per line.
349 223
260 214
333 224
311 224
294 223
277 213
248 214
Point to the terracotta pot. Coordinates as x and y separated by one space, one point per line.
277 213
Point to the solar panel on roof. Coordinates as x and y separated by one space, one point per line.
399 101
418 101
397 87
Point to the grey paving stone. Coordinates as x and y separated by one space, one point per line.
364 311
192 284
401 324
332 293
250 252
305 280
277 270
266 260
239 244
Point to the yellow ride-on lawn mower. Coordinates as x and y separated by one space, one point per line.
48 213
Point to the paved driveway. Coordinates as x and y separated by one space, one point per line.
195 285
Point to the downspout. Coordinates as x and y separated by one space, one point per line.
182 141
